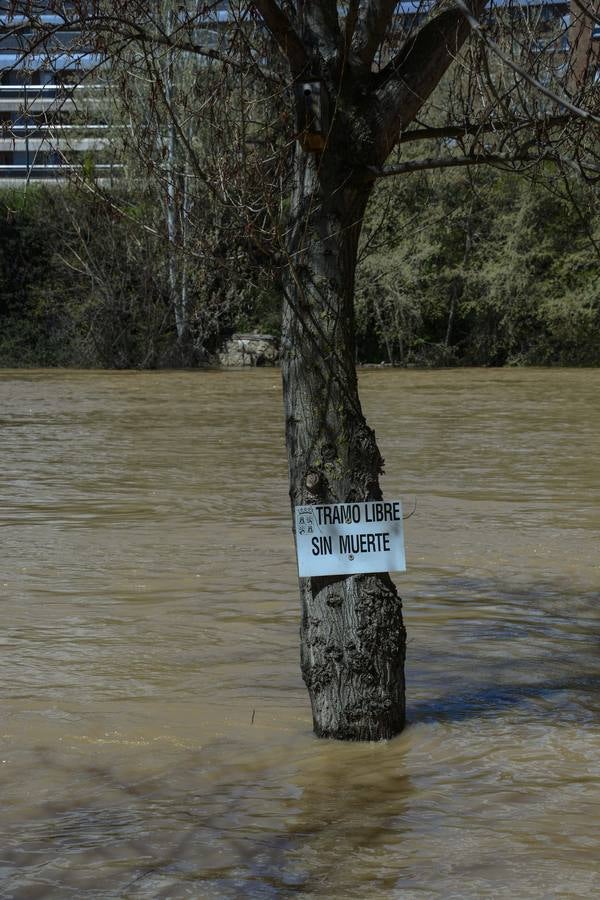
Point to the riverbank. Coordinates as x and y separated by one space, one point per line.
499 272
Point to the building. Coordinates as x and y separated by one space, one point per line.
43 130
48 124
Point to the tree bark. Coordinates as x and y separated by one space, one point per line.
352 634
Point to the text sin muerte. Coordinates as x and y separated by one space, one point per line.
355 514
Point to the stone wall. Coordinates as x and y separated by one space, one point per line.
250 350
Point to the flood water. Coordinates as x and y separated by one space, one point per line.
156 735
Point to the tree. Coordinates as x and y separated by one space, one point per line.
383 80
353 639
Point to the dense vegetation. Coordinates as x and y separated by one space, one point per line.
457 269
500 270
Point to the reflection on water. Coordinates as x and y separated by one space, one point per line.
156 733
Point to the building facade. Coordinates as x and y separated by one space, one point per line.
43 95
48 124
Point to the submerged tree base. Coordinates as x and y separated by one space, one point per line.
353 650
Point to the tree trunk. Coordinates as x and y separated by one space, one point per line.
352 634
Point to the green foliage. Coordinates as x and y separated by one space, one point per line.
485 269
76 289
480 269
32 329
84 281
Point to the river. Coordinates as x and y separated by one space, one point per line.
156 735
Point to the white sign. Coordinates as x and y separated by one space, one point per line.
350 538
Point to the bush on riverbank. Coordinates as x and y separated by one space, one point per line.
481 269
457 269
84 281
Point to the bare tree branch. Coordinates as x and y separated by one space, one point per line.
410 77
351 22
493 46
589 13
371 29
509 126
284 33
320 26
483 159
113 26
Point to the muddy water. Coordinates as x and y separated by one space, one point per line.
155 735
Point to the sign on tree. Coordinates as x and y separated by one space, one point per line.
350 538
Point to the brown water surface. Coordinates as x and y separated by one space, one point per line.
156 737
